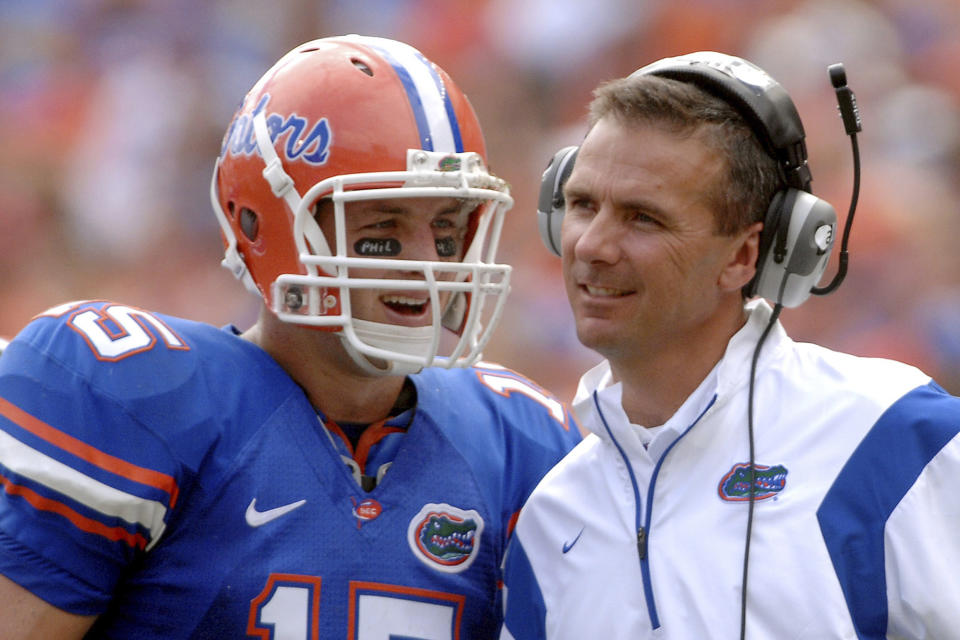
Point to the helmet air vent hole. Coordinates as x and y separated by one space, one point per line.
249 223
231 209
360 64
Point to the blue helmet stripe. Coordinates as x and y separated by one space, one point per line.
436 120
426 139
448 106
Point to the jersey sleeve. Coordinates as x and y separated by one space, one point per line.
540 431
87 485
516 432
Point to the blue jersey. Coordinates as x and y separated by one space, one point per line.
171 478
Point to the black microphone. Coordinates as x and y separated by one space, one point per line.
846 101
850 114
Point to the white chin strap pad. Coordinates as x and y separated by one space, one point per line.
416 342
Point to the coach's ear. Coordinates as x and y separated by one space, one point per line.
742 263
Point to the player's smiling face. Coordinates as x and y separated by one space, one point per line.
422 229
642 261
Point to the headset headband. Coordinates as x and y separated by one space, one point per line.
761 100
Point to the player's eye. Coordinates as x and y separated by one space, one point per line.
387 223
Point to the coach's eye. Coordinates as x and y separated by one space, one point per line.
642 217
579 205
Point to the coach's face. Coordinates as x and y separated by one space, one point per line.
645 270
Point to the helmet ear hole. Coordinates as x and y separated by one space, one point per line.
249 223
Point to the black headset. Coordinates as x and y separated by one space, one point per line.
799 228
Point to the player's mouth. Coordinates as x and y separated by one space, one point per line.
405 305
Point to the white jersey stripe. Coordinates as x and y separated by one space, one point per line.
41 468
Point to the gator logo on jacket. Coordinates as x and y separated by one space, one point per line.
445 537
767 482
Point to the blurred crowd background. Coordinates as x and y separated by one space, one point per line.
112 112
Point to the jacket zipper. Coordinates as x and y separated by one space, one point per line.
640 529
642 543
643 521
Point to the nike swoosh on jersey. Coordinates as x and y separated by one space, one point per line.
569 545
259 518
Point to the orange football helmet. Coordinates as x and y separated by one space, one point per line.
357 118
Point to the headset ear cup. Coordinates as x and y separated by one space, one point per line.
772 222
795 251
550 204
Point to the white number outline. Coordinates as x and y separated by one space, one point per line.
437 599
266 630
507 382
452 606
137 331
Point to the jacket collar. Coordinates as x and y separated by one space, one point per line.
598 407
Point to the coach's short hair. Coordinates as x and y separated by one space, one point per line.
741 195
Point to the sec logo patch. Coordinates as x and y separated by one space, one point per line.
367 509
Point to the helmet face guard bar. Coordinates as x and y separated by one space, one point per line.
304 297
320 298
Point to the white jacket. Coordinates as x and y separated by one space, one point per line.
856 528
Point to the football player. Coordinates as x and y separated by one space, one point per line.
346 467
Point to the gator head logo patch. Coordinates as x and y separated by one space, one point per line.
449 163
445 537
767 482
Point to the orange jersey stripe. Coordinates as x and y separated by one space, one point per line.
370 436
79 521
92 455
512 523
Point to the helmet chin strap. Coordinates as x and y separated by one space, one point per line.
417 342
